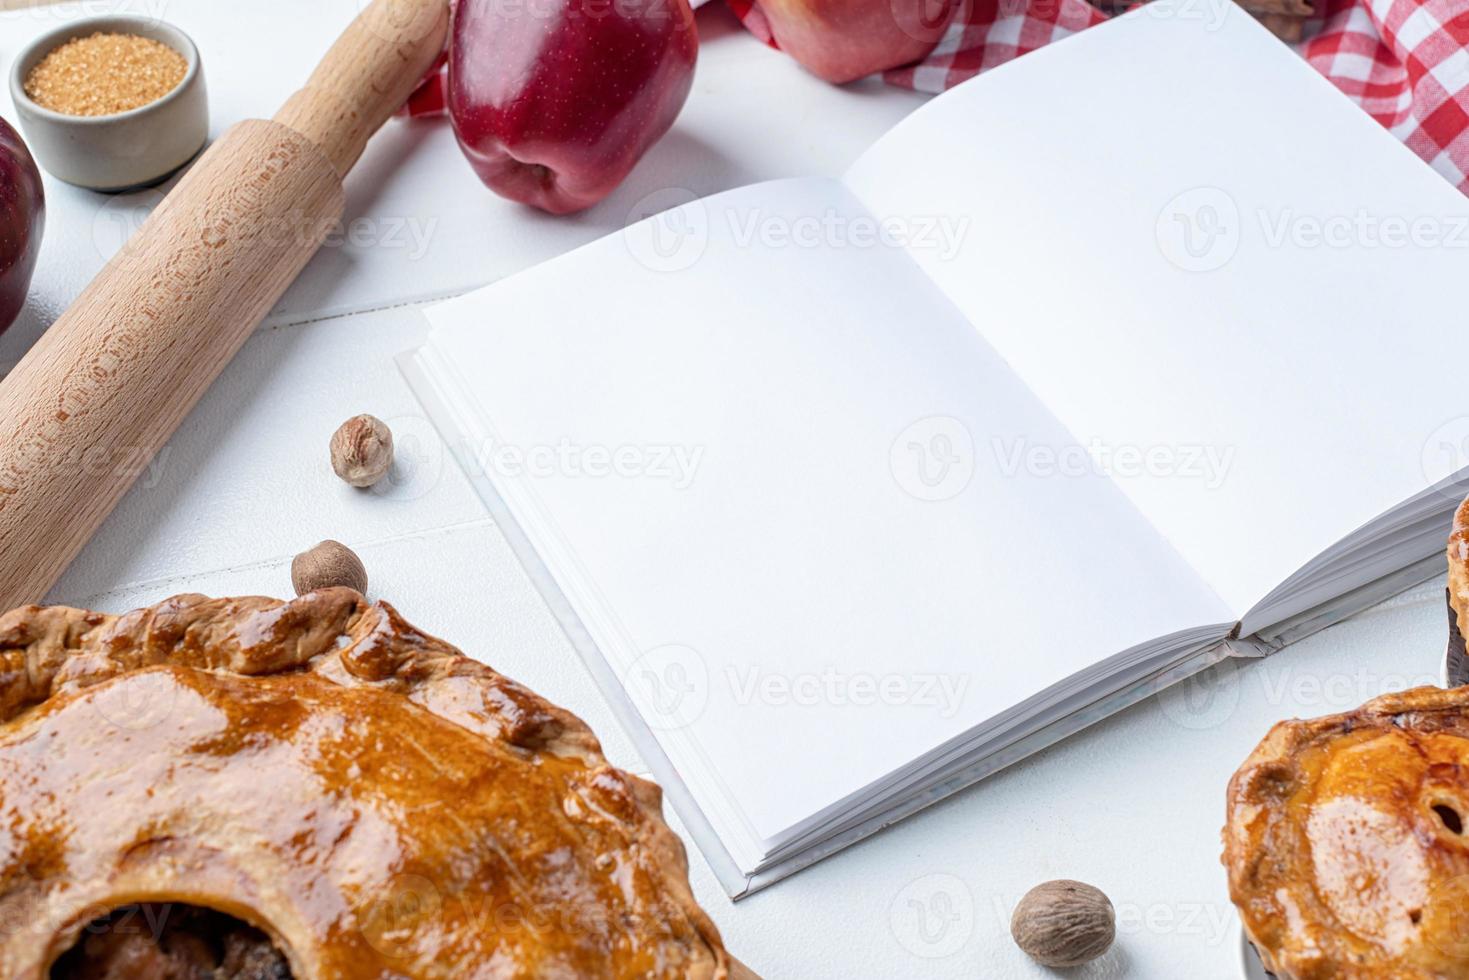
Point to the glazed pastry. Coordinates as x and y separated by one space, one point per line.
314 789
1459 592
1345 842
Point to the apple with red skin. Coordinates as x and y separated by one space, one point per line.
555 101
22 219
843 40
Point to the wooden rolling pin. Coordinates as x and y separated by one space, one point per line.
103 390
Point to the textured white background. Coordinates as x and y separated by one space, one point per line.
1133 805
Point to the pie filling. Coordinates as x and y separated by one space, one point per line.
158 941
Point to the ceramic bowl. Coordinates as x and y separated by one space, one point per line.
127 150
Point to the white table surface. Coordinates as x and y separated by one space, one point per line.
1133 806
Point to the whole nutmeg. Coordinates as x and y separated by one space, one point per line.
329 564
1064 923
362 450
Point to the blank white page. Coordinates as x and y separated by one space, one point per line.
852 573
1212 267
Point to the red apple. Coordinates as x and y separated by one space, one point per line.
22 218
555 101
843 40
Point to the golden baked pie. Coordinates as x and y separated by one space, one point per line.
1346 842
246 788
1459 593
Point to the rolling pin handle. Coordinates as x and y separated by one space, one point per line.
367 76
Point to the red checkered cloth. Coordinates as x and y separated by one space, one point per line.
1404 61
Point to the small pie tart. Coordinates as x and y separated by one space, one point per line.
1346 842
1459 591
314 789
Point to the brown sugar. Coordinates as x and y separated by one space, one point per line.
105 74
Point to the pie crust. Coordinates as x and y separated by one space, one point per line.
372 800
1346 842
1459 575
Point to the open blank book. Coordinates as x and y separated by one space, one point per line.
1126 357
